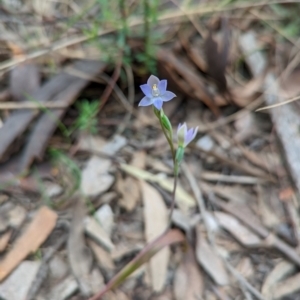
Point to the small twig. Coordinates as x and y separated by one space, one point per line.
131 93
199 198
108 90
32 105
279 104
213 176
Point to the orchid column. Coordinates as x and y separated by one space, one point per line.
156 94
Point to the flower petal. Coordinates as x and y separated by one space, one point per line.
167 96
158 103
162 86
146 101
146 90
152 80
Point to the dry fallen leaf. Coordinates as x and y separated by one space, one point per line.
239 231
210 261
97 233
287 287
79 255
95 178
156 222
103 258
281 270
129 187
245 267
17 285
188 281
183 199
36 233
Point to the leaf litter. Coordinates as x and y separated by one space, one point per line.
121 170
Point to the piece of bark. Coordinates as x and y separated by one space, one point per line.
24 80
36 233
287 123
47 123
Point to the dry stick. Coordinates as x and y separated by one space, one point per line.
199 197
131 93
31 105
111 85
168 17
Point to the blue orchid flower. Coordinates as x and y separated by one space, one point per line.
155 92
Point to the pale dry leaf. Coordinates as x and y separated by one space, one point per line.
158 165
97 233
281 270
245 267
156 222
188 281
95 178
80 258
114 145
238 230
130 191
130 187
287 287
183 199
105 217
123 249
17 285
58 267
210 261
64 289
35 234
139 159
103 258
90 143
17 216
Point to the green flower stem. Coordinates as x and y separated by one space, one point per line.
169 136
173 194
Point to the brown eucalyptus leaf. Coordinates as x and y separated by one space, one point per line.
210 261
188 281
156 222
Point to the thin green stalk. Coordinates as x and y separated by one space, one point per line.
173 197
169 139
175 166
